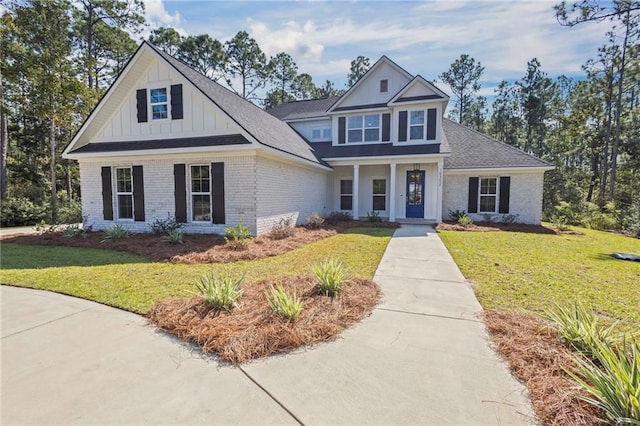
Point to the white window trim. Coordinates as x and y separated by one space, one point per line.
496 195
168 103
344 195
362 129
386 192
409 141
117 194
192 193
424 125
321 137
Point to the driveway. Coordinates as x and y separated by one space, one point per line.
422 357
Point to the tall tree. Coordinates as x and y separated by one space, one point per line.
204 54
359 67
167 39
303 87
506 120
283 72
247 61
463 78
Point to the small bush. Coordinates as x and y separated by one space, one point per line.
219 291
116 232
487 217
559 222
330 275
509 219
289 306
457 214
600 219
315 221
283 229
374 216
335 217
174 236
565 213
21 212
237 237
70 211
72 231
163 226
465 220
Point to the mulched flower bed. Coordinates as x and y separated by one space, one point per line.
537 357
252 330
197 248
513 227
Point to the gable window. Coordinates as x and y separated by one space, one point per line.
326 134
201 193
321 134
346 194
416 125
379 194
488 195
159 103
384 85
363 128
124 192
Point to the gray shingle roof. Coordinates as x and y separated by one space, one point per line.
267 129
326 150
309 108
221 140
473 150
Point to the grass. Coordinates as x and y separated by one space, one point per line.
535 271
135 283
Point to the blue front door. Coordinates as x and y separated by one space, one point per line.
415 193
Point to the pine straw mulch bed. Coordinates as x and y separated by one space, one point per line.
512 227
252 330
536 357
197 248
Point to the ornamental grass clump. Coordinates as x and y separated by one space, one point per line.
116 232
220 291
173 236
283 303
330 276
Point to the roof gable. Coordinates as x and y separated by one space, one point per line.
419 89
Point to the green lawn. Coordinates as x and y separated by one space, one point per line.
135 284
534 271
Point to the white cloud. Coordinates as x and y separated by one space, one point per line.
293 38
158 16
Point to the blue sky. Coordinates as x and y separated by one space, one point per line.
423 37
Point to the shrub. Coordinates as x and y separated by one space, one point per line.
163 226
21 212
565 213
465 220
173 236
289 306
612 381
219 291
284 228
487 217
335 217
116 232
330 275
70 211
509 219
457 214
374 216
237 237
600 219
315 221
72 231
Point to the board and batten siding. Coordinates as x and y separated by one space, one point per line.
525 195
200 116
368 91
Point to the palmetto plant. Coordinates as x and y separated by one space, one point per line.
330 275
220 291
282 303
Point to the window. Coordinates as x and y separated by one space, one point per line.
363 128
384 86
159 105
124 192
379 194
416 125
318 134
346 195
488 195
200 194
326 134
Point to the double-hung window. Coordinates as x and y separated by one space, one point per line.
201 193
488 195
346 194
416 125
158 100
379 194
124 192
363 128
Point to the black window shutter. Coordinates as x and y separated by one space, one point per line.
180 192
141 101
217 192
176 101
431 124
473 195
402 126
386 127
342 127
107 194
138 194
505 183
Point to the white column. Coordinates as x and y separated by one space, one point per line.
356 185
392 192
439 192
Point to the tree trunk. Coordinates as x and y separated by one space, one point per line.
52 152
594 177
607 141
67 175
4 145
90 44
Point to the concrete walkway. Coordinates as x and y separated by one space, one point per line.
421 358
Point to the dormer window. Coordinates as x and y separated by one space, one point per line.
384 85
159 105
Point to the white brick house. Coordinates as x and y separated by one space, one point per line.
165 140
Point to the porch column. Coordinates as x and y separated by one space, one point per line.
439 192
392 192
356 184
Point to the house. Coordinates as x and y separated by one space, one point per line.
166 140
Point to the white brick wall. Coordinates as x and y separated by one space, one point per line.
525 196
288 190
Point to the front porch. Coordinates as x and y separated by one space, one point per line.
396 190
